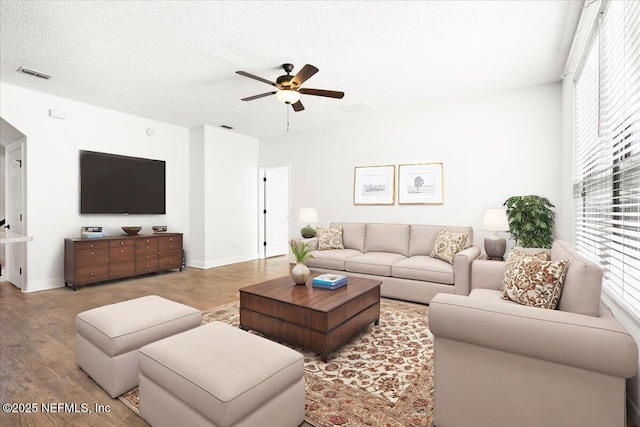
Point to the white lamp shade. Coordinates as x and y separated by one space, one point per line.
308 216
288 96
495 220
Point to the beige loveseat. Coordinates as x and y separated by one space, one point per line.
499 363
399 255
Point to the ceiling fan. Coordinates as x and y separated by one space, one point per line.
289 89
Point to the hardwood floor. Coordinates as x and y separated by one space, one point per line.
37 338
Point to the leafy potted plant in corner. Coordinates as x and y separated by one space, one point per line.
300 272
531 221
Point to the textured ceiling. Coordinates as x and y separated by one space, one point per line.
175 61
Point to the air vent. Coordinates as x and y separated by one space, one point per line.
34 73
226 127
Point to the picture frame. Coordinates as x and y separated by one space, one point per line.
420 184
374 185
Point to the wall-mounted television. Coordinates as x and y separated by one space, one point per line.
114 184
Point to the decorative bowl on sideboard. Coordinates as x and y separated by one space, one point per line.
132 231
159 228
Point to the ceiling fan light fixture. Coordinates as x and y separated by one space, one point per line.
288 96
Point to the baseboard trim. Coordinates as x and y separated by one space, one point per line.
196 264
222 261
42 285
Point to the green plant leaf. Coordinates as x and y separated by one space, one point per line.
300 251
531 220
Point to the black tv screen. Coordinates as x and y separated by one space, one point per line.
113 184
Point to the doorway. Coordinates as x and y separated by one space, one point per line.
15 208
274 212
13 194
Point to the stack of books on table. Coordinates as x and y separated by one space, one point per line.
329 281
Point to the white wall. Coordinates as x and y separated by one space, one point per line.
224 209
52 164
492 148
196 256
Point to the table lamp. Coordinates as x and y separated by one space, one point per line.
495 220
308 216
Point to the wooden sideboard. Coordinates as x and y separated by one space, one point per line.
105 258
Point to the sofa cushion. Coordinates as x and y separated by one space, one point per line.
514 257
537 283
128 325
353 235
489 295
422 238
422 267
393 238
331 259
448 244
330 238
378 263
582 283
222 372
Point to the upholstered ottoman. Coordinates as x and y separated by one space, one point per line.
218 375
108 337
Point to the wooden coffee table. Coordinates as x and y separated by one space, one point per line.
318 319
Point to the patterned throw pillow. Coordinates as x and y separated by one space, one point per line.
513 258
537 283
330 238
448 244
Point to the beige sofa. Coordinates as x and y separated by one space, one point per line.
398 254
499 363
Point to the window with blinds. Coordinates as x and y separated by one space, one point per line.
606 169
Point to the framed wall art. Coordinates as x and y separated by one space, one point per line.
374 185
420 184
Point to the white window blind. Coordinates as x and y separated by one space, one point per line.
606 190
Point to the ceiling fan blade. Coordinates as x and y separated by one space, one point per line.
303 75
298 106
322 92
262 95
251 76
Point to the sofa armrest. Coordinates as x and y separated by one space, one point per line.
462 270
597 344
487 274
312 242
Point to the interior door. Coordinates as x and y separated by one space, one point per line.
276 211
15 251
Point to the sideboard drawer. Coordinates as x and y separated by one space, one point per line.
92 273
91 244
122 260
170 260
146 266
147 246
122 254
92 257
168 243
122 243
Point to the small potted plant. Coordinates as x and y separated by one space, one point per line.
300 272
531 221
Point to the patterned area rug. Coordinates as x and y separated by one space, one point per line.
382 378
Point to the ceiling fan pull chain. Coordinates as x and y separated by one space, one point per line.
287 107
